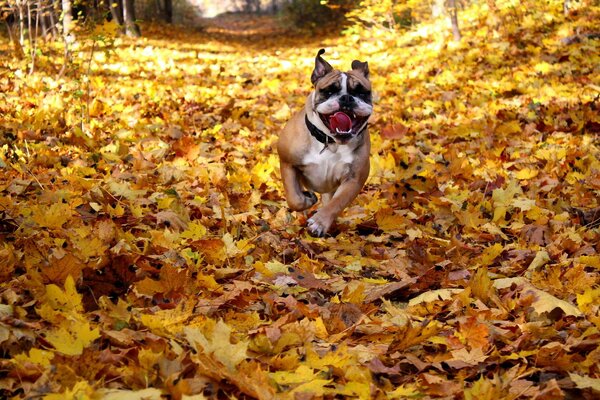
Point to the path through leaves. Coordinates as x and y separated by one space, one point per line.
147 250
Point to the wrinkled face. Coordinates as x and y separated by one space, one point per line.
346 92
342 100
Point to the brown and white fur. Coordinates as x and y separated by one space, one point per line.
338 166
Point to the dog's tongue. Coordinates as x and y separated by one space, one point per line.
340 121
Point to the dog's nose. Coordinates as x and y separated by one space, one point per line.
346 101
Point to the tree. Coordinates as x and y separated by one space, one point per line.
441 7
131 27
454 19
67 18
167 10
123 12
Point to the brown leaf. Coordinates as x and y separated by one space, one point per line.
394 131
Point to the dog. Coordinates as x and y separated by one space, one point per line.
325 147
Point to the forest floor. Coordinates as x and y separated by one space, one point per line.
146 249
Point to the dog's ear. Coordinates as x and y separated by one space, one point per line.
322 68
362 67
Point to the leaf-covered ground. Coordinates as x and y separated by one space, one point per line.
147 250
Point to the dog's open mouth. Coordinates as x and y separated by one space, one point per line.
343 124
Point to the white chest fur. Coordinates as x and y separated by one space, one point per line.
324 170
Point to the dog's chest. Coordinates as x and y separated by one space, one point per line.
323 170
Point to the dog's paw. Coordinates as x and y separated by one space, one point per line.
310 198
302 202
318 225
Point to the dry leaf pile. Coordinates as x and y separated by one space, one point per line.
146 249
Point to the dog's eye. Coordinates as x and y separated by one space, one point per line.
361 92
330 90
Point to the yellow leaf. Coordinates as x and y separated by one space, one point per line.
585 382
219 344
165 202
72 341
340 358
590 296
109 28
166 322
236 248
546 303
509 127
389 221
315 387
592 261
52 217
67 300
116 211
433 295
484 389
361 390
541 258
523 204
302 374
543 67
473 357
414 233
35 356
144 394
527 173
403 392
490 253
80 391
96 108
123 189
320 329
481 284
194 231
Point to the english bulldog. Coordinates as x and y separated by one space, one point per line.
325 147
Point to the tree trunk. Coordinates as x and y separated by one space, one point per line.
131 28
168 11
41 18
116 10
21 25
67 8
52 17
454 20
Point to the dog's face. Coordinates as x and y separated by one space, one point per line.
342 100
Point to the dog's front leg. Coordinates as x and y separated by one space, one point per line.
297 199
319 224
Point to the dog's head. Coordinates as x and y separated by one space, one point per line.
342 100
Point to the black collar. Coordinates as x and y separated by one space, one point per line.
317 134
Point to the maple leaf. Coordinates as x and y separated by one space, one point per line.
474 333
394 131
67 300
585 382
433 295
52 217
218 344
72 340
165 322
484 388
120 394
464 358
